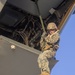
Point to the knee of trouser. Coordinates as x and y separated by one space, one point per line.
49 53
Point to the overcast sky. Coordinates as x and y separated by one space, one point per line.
66 52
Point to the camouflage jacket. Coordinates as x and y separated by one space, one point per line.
49 41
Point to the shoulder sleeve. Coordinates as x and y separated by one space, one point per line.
54 38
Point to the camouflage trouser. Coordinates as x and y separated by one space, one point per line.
43 60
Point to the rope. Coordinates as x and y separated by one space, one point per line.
42 23
41 20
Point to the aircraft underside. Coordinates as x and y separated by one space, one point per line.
21 22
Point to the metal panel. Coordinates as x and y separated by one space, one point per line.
29 6
19 61
69 12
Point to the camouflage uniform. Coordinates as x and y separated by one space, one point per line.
49 46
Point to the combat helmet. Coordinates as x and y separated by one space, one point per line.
51 25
